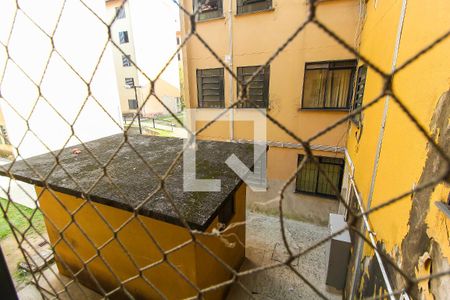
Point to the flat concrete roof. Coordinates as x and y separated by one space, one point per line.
133 181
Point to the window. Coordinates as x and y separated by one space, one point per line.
359 91
123 37
258 88
246 6
126 60
210 88
129 81
132 104
208 9
4 136
328 85
120 12
309 180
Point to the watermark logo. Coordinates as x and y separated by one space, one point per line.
256 179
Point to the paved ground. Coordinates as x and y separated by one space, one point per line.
265 247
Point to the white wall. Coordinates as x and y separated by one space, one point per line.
154 25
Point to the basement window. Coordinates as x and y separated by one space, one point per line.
249 6
359 92
310 181
328 85
208 9
210 88
258 89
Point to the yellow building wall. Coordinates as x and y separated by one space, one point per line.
256 37
402 163
89 232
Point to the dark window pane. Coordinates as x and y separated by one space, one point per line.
328 85
208 9
246 6
132 104
359 91
210 88
123 37
310 180
258 90
314 88
126 62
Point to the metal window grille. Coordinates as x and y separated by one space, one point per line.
129 81
312 164
123 37
310 180
132 104
126 60
4 135
359 91
328 85
208 9
210 88
248 6
258 89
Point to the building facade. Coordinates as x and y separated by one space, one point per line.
388 155
307 87
127 58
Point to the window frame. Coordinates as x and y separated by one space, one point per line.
126 38
208 15
360 87
252 6
120 13
200 90
126 60
135 106
265 88
316 193
330 63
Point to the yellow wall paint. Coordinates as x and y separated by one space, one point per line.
419 86
193 262
251 48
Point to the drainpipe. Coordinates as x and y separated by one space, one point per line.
230 64
376 161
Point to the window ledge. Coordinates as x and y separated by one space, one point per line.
326 197
443 207
325 109
210 19
255 12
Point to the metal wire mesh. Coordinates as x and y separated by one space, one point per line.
29 251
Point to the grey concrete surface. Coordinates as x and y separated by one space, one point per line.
265 247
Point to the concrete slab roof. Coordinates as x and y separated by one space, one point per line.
132 181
